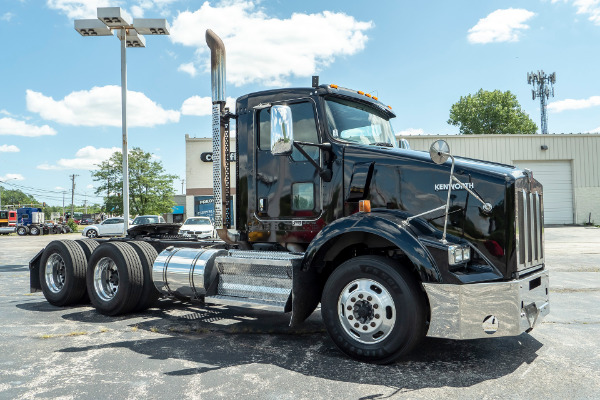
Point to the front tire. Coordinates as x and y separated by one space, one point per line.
22 231
114 278
62 273
92 233
373 309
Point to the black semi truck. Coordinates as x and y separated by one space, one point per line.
394 244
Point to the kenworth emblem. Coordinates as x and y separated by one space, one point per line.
444 186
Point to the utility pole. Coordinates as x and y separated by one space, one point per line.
182 182
540 82
73 195
63 214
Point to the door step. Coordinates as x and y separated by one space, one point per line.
256 277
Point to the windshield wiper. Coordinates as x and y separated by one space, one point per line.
384 144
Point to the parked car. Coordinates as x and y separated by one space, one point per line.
202 227
108 227
148 219
87 221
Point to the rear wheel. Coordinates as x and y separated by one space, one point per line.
147 255
114 278
62 273
373 309
88 246
34 230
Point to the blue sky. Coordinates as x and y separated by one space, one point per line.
60 102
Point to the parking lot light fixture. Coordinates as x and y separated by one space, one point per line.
131 35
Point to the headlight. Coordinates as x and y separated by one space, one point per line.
458 254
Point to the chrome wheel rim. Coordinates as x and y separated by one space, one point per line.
55 273
106 279
366 311
91 233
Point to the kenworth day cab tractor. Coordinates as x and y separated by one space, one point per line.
394 244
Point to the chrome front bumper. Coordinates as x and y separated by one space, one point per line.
483 310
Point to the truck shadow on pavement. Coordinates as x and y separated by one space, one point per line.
216 336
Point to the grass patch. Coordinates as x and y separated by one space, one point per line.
49 336
154 329
77 333
134 328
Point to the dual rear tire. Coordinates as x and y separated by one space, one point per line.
117 276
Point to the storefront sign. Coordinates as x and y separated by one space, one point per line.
207 157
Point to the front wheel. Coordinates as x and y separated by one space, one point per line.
22 231
92 234
374 310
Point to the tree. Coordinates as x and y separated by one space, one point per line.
150 188
16 197
490 113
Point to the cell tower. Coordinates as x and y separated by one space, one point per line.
543 87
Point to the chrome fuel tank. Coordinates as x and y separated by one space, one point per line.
185 273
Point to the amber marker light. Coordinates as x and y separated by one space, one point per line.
375 98
364 206
390 107
368 95
360 92
334 86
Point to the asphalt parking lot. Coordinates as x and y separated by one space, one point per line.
178 351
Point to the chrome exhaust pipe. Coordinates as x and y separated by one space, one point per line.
220 129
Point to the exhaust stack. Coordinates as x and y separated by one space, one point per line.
220 132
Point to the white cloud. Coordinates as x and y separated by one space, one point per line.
280 48
59 188
80 8
597 130
11 126
9 148
15 177
202 106
85 158
4 112
100 106
87 8
90 186
188 68
500 26
586 7
7 16
574 104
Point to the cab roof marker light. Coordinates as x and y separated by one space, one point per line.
368 95
375 98
360 92
390 107
333 86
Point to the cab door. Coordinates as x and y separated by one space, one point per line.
288 188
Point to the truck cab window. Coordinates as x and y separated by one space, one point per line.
305 129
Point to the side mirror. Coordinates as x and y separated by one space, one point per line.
439 151
282 132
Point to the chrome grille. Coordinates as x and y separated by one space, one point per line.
529 229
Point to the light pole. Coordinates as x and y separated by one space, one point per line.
130 35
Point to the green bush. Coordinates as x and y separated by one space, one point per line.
72 225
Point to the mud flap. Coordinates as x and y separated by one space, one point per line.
34 275
305 296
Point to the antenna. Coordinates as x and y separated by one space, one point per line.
543 87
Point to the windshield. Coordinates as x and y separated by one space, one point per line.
197 221
355 122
